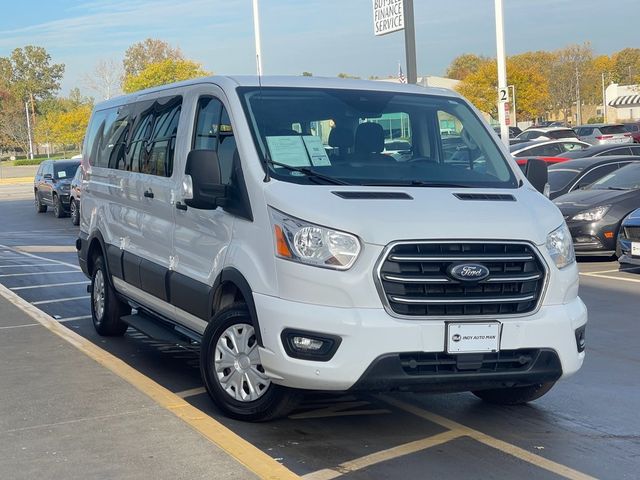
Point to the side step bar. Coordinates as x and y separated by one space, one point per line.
160 330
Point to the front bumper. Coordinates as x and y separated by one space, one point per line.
589 238
369 334
624 248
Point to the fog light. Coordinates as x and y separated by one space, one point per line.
580 338
309 345
305 344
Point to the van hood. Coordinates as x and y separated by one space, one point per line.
427 213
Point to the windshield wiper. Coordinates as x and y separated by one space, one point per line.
309 172
617 188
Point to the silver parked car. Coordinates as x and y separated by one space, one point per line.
603 134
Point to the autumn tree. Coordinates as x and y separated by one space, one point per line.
464 65
139 55
532 93
161 73
571 74
627 66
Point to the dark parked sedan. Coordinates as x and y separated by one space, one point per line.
594 214
629 240
52 183
605 150
74 197
565 177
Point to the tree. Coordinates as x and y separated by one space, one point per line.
307 74
627 66
139 55
106 78
346 75
464 65
481 88
161 73
570 75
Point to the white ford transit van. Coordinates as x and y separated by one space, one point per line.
264 222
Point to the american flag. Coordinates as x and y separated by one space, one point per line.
401 78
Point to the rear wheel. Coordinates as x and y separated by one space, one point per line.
58 211
106 308
514 395
232 372
40 207
74 206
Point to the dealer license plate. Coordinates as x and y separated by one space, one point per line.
473 337
635 249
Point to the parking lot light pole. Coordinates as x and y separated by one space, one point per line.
513 101
604 100
26 107
502 71
410 42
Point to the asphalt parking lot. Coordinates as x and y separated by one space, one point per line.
586 427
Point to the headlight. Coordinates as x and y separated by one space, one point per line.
560 246
593 214
312 244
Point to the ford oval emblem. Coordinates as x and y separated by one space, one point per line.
469 272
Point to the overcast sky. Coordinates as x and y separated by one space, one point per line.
321 36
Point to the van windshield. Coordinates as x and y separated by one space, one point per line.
373 138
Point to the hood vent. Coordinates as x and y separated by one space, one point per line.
373 195
487 197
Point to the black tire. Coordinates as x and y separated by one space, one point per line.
58 210
74 206
276 401
40 207
514 395
106 320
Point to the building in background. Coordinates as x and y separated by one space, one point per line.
623 103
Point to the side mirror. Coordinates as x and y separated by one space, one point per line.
536 172
203 167
48 176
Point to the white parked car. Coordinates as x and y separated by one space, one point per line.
603 134
212 207
546 133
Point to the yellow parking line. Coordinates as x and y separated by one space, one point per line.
16 181
384 455
501 445
244 452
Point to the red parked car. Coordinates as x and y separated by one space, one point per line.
634 129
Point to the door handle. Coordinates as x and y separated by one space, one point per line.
181 206
148 194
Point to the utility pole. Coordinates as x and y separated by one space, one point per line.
410 42
26 108
513 101
502 72
256 31
578 101
604 100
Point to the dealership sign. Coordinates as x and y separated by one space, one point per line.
388 16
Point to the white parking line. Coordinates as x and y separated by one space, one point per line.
57 300
37 273
610 277
191 392
25 254
21 265
71 319
19 326
47 285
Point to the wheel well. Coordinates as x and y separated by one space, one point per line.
94 251
227 294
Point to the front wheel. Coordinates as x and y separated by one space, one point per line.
58 211
74 206
106 308
232 372
514 395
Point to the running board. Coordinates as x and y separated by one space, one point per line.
161 331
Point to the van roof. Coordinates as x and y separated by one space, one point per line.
231 82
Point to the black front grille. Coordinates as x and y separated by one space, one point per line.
420 363
415 279
632 233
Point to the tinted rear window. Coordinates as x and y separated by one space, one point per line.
613 129
562 134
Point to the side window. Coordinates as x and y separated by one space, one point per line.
162 142
116 141
396 128
136 150
596 174
207 121
635 150
549 150
616 151
48 169
570 146
214 132
97 139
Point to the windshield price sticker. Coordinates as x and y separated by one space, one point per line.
288 149
316 151
473 337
